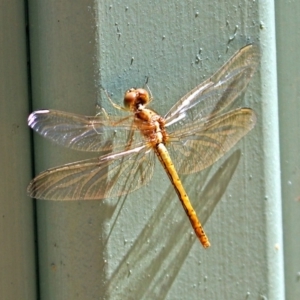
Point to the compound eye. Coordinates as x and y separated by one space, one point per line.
130 99
143 96
134 98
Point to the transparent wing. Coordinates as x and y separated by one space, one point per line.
84 133
216 93
109 175
204 143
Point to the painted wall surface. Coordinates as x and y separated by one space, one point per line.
287 35
141 246
17 248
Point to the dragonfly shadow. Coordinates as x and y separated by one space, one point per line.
167 238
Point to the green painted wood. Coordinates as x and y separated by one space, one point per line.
17 257
141 246
64 74
287 32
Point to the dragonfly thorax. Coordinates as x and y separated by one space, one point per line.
135 99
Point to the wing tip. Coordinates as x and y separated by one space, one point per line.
34 115
30 190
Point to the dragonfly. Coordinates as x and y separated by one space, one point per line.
197 131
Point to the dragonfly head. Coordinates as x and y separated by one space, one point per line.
135 98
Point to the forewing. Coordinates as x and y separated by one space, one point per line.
201 146
110 175
85 133
216 93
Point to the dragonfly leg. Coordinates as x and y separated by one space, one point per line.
115 105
